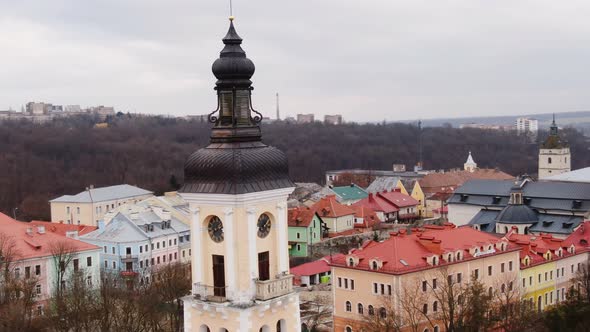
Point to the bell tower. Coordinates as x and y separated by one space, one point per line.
237 189
554 154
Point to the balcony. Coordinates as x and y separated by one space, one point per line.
209 293
128 274
128 258
269 289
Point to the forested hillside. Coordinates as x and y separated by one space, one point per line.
39 162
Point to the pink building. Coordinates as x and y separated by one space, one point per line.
33 246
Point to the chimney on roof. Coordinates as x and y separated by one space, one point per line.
41 229
72 234
30 231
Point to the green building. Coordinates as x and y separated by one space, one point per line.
350 194
305 228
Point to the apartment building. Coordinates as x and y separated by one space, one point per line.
36 252
89 206
413 266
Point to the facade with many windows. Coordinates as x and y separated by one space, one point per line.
415 267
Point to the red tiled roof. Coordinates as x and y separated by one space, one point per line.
398 199
403 253
368 215
387 201
31 244
433 182
581 236
329 207
300 216
315 267
61 228
536 246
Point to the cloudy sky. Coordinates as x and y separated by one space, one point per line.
369 60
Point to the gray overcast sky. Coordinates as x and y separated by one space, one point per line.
368 60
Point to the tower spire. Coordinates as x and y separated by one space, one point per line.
236 120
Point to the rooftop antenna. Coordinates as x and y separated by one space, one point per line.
420 144
278 114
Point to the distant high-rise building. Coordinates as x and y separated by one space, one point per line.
527 126
554 154
333 119
305 118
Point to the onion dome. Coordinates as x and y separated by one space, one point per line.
236 161
233 67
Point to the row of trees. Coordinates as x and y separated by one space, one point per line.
114 303
42 161
453 305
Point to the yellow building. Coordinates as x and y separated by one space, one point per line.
416 193
547 266
90 206
237 189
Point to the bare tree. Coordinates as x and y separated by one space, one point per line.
62 253
385 317
316 312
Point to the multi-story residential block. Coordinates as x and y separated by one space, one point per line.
333 119
554 155
305 229
50 258
139 240
533 207
527 126
89 206
547 266
305 118
414 266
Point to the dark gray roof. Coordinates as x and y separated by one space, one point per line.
486 219
552 195
557 224
237 168
517 214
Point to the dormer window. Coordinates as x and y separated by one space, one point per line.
459 255
577 204
449 258
572 249
434 260
374 265
351 262
526 261
496 200
548 255
559 252
464 198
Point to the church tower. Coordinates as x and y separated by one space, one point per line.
470 165
554 155
237 190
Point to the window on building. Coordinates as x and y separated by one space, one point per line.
183 254
346 283
106 264
490 269
375 288
114 265
76 265
298 235
89 281
425 309
27 272
502 268
175 256
105 249
158 260
523 282
510 266
434 283
371 310
37 270
549 162
140 249
424 286
89 261
141 264
113 250
152 246
153 260
67 209
459 277
78 210
351 284
476 273
348 306
175 242
382 313
388 289
360 308
435 306
163 258
158 245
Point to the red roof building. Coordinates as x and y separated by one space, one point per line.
310 273
424 248
391 205
64 229
330 208
36 250
365 217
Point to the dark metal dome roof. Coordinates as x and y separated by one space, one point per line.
518 214
236 168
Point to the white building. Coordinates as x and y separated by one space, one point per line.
527 126
470 165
